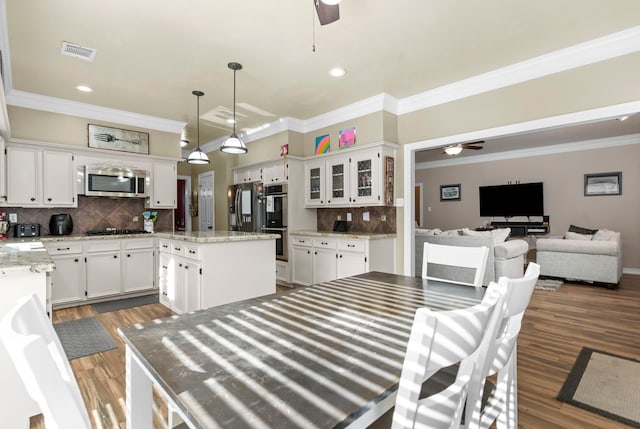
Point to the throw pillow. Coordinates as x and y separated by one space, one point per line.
576 236
582 230
604 235
435 231
451 232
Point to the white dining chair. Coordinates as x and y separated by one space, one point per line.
452 260
500 403
37 354
439 340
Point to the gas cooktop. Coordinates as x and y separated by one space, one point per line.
116 232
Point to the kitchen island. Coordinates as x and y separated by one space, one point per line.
24 265
200 270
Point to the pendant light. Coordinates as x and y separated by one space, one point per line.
198 156
233 144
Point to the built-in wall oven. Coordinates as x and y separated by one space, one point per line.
275 216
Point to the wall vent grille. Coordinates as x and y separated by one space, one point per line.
77 51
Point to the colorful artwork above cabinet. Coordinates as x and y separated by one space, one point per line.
347 138
323 144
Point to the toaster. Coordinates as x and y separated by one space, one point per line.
26 230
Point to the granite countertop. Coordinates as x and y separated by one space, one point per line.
24 255
195 237
216 236
361 235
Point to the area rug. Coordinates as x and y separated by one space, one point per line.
119 304
83 337
548 284
605 384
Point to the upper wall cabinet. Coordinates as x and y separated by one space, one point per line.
268 173
163 189
359 177
40 178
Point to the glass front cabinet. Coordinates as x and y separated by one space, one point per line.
357 177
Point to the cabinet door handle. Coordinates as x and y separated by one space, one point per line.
115 256
165 267
193 252
157 202
308 252
341 256
128 255
33 199
186 267
49 199
351 245
63 248
315 253
75 260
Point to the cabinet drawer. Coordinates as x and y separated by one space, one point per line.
301 241
177 248
191 251
138 243
63 248
164 246
352 245
103 246
324 242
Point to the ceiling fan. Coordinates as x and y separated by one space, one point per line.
455 149
328 11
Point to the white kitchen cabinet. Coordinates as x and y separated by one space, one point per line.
103 268
301 258
315 183
282 272
365 178
275 172
40 178
247 174
338 181
320 259
138 261
324 264
352 257
24 178
163 185
68 278
180 272
59 179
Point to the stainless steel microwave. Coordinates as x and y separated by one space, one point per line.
101 181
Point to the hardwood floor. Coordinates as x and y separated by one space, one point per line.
555 328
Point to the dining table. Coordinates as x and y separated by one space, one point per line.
327 355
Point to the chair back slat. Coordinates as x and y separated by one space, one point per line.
39 358
455 259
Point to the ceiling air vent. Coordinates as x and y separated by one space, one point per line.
77 51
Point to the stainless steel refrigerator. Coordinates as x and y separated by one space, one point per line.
245 207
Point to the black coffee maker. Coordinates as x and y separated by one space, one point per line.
60 224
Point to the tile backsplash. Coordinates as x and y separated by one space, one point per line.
94 213
326 217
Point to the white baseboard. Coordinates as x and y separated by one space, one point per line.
634 271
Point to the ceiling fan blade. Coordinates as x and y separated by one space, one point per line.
327 13
472 147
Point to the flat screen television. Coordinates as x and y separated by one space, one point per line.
521 199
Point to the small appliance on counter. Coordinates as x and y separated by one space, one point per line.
340 226
4 226
60 224
26 230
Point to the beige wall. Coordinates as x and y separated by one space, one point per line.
29 124
564 200
369 129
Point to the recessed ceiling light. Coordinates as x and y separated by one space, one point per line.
337 72
84 88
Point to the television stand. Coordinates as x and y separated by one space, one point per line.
523 229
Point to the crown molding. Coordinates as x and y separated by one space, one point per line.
73 108
537 151
596 50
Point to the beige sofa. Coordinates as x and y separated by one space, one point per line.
586 257
506 258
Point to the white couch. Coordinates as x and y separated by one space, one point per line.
506 258
586 257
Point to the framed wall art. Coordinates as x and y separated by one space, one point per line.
603 184
450 192
347 138
118 139
323 144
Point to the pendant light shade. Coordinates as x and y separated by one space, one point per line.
184 141
233 144
198 156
